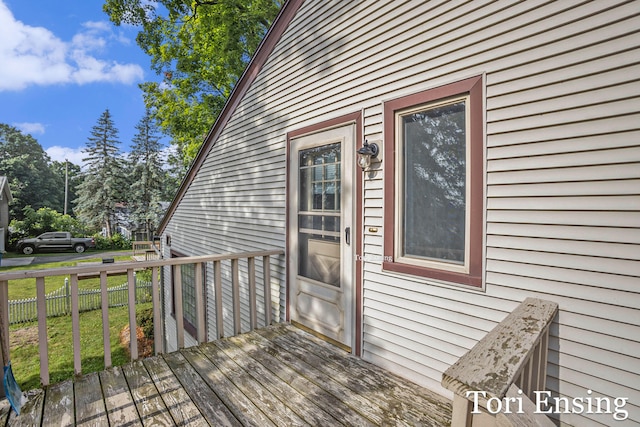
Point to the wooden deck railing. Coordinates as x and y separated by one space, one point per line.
128 269
58 302
495 381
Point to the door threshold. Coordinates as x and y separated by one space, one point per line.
322 336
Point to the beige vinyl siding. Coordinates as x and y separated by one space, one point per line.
562 203
562 188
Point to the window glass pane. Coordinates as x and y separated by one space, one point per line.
188 275
434 142
319 258
305 190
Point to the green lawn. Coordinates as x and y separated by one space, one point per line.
25 357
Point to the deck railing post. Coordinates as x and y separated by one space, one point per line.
104 306
75 325
177 298
42 331
266 277
133 325
200 304
253 317
235 289
217 285
157 314
4 324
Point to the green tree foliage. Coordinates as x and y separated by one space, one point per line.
36 222
28 169
102 185
200 47
146 176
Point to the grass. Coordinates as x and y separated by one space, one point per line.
25 357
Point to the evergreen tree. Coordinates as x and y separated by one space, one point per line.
175 172
146 175
102 186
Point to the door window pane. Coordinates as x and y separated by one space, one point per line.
319 214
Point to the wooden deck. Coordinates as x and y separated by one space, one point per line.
277 376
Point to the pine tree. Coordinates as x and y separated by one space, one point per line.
146 175
102 186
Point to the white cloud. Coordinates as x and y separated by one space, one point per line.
60 154
30 128
35 56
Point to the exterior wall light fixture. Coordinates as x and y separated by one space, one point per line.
366 153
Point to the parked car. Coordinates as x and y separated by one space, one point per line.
55 241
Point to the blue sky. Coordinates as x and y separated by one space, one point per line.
62 63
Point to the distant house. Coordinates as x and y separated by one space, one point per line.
5 199
508 167
125 225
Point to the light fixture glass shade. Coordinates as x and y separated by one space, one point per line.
364 160
366 153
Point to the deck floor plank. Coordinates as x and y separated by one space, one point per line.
121 408
307 409
327 381
274 408
30 412
208 402
407 402
246 411
89 402
151 407
278 375
58 408
181 408
5 409
313 384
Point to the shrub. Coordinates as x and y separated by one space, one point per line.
115 242
145 321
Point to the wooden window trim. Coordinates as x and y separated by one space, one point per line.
472 87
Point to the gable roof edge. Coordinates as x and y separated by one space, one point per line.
280 24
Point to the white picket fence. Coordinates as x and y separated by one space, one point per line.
58 302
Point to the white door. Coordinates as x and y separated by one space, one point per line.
321 261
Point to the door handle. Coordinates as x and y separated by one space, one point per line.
347 235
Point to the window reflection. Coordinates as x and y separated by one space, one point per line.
319 214
434 142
